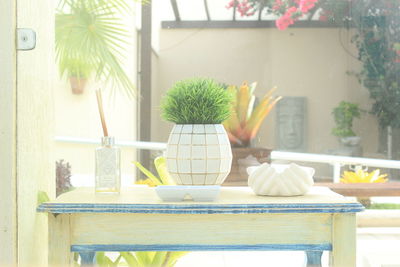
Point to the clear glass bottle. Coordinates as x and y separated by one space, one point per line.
108 168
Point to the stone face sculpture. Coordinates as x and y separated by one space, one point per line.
280 180
291 128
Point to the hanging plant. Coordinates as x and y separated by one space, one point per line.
90 41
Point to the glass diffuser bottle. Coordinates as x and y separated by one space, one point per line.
108 174
107 158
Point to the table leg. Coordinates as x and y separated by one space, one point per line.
60 254
344 240
314 258
87 258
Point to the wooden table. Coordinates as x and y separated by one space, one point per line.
136 220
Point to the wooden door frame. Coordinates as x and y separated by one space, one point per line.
8 191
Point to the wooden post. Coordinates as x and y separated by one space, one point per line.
145 83
36 74
60 254
8 203
344 240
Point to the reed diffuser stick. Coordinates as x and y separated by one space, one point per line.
101 111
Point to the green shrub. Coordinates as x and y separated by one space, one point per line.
196 101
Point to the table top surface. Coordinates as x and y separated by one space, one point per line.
232 200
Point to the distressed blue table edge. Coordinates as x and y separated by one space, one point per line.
191 247
200 208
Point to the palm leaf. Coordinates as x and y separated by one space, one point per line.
95 36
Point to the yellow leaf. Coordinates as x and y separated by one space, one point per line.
146 172
161 167
243 98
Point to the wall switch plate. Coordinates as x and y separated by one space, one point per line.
26 39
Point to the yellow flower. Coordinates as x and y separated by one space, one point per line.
360 176
146 182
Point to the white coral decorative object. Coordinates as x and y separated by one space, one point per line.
280 180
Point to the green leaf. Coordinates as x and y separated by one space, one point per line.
145 257
130 259
102 260
159 258
173 257
42 197
117 260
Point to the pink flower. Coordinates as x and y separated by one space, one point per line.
231 4
283 22
291 10
306 5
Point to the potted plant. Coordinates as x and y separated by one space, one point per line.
198 149
90 39
77 72
344 115
242 127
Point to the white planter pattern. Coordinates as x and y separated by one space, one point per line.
199 154
280 180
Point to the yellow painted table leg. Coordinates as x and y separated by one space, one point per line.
59 241
344 240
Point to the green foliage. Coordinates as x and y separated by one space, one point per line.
90 39
141 259
344 115
377 37
196 101
103 261
42 197
384 206
377 42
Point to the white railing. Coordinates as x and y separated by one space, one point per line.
336 161
131 144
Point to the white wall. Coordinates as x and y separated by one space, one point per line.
301 62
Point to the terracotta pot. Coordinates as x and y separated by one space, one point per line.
77 85
244 157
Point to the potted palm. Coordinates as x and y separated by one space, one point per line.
242 127
198 149
90 40
77 72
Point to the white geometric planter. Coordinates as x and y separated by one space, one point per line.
199 154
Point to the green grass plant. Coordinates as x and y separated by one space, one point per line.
384 206
196 101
